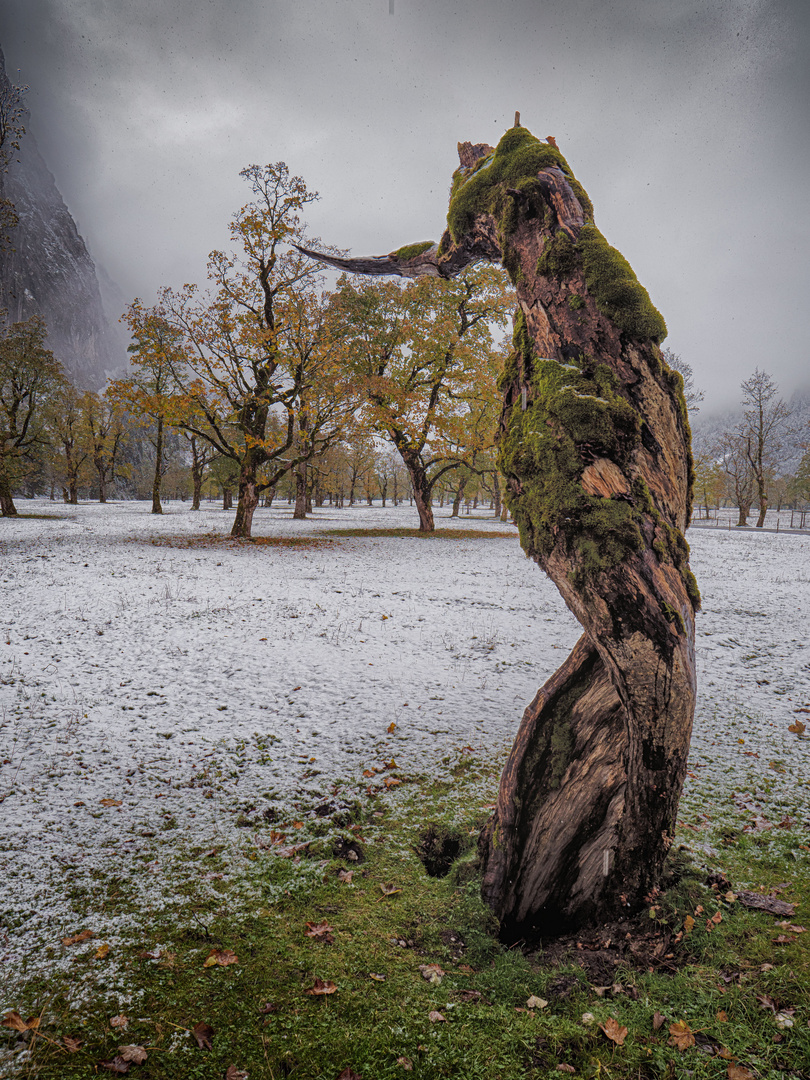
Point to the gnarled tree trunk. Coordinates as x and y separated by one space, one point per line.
595 448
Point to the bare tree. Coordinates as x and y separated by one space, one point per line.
762 430
691 393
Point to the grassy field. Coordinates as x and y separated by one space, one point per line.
337 955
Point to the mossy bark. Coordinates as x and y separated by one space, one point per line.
595 448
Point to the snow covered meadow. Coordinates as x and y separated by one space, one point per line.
161 684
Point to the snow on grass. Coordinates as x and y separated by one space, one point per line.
160 684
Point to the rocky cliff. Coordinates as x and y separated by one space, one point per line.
46 268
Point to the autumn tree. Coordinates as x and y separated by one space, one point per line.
152 392
761 432
104 432
425 360
29 376
67 433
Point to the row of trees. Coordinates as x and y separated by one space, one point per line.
266 377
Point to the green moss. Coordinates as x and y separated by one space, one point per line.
559 259
410 251
575 302
517 160
673 616
617 291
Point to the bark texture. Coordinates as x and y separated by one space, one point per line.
595 446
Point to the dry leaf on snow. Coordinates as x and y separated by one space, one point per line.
681 1035
111 802
221 958
322 986
797 727
614 1031
85 935
15 1021
203 1033
101 951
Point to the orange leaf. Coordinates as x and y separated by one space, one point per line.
322 986
688 924
391 781
391 727
739 1072
614 1031
321 931
15 1021
681 1035
101 951
722 1016
221 958
111 802
797 727
85 935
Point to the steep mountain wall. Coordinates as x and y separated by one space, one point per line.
46 269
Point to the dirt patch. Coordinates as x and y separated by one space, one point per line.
601 951
438 848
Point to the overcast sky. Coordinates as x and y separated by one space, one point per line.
687 121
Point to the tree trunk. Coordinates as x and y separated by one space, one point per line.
763 509
496 490
227 498
743 514
102 482
594 445
7 507
156 507
300 512
422 489
248 501
459 496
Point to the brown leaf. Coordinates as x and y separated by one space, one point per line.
221 958
739 1072
391 781
268 1007
232 1072
469 995
562 1067
681 1035
435 1017
722 1016
320 931
203 1033
349 1074
101 951
783 939
117 1065
15 1021
322 986
85 935
345 876
136 1054
391 727
389 890
688 924
536 1002
797 727
658 1021
71 1044
119 1021
614 1031
111 802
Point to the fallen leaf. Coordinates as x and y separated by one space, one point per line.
111 802
232 1072
600 991
614 1031
783 939
203 1033
101 951
349 1074
725 1054
119 1021
797 727
15 1021
536 1003
389 890
658 1021
85 935
377 978
136 1054
322 986
391 764
681 1035
469 995
391 781
688 924
71 1044
345 876
406 1063
739 1072
562 1067
784 1019
117 1065
431 972
268 1007
369 772
588 1018
766 1002
320 931
391 727
435 1017
221 958
466 969
717 918
722 1016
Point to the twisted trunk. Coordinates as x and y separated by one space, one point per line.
595 448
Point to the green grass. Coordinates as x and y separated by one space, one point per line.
266 1024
